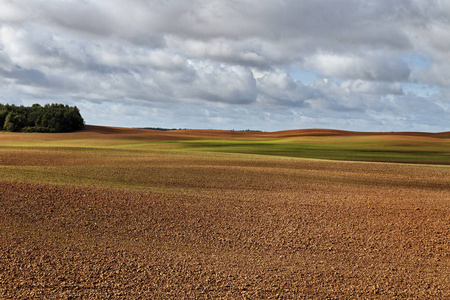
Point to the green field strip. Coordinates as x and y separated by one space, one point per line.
431 153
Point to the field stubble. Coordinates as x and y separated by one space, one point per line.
97 223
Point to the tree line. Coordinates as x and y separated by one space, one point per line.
37 118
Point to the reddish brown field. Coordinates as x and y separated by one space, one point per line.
110 223
118 132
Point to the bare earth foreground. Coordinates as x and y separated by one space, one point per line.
110 222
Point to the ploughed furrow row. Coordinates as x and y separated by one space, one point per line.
300 239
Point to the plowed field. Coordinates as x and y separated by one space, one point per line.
93 220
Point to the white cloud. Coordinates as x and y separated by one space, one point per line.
233 58
12 11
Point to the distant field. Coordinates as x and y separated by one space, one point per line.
196 214
407 147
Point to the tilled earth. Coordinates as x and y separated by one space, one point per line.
325 230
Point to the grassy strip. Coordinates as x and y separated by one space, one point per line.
357 150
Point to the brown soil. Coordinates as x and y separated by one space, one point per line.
100 132
261 229
199 133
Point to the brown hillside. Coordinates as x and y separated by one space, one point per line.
205 133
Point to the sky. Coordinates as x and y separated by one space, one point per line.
363 65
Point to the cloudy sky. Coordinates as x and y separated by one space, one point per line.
365 65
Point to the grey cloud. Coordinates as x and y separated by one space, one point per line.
377 67
221 83
373 88
29 77
280 89
435 74
315 24
252 53
351 95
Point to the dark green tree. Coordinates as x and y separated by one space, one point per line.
37 118
13 122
